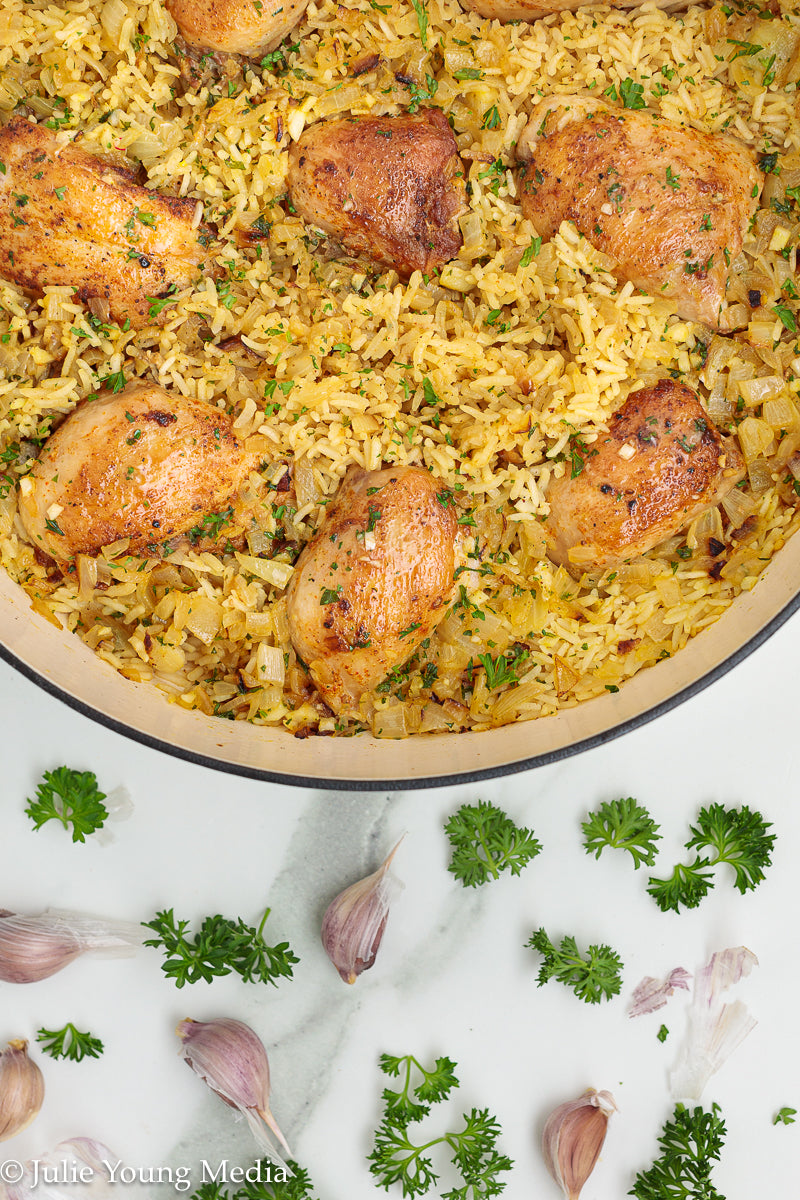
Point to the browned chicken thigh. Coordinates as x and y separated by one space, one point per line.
670 204
145 464
660 464
391 188
374 581
68 217
248 27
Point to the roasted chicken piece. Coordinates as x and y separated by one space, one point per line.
668 203
248 27
391 188
660 465
144 464
68 217
374 581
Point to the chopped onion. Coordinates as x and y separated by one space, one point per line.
756 391
738 506
203 618
755 437
759 473
87 576
269 569
305 486
270 664
780 413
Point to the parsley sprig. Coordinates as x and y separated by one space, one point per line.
398 1157
70 1043
738 837
220 947
261 1187
485 842
71 797
690 1144
624 825
592 977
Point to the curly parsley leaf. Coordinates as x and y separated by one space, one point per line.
71 797
400 1107
738 837
687 886
485 842
266 1182
784 1116
624 825
690 1144
70 1043
399 1158
597 975
220 947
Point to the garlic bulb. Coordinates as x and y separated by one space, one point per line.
573 1138
21 1089
33 948
353 925
231 1059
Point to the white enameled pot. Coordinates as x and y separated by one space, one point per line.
63 666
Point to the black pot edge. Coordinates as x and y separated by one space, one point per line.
369 785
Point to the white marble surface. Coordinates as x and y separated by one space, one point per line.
452 977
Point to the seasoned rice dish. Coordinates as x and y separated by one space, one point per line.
197 259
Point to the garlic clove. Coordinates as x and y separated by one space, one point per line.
34 948
21 1089
573 1138
353 925
230 1058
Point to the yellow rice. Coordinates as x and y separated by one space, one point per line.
525 345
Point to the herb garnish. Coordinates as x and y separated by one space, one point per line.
70 1043
738 837
396 1158
221 947
624 825
260 1185
485 842
690 1143
71 797
591 978
630 93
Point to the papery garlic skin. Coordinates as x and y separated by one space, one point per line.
353 925
34 948
573 1137
715 1028
231 1059
21 1089
652 994
60 1175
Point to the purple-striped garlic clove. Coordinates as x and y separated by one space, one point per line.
21 1089
573 1138
230 1058
353 925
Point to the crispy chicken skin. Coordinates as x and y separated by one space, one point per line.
68 217
391 188
374 581
668 203
248 27
145 464
660 464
